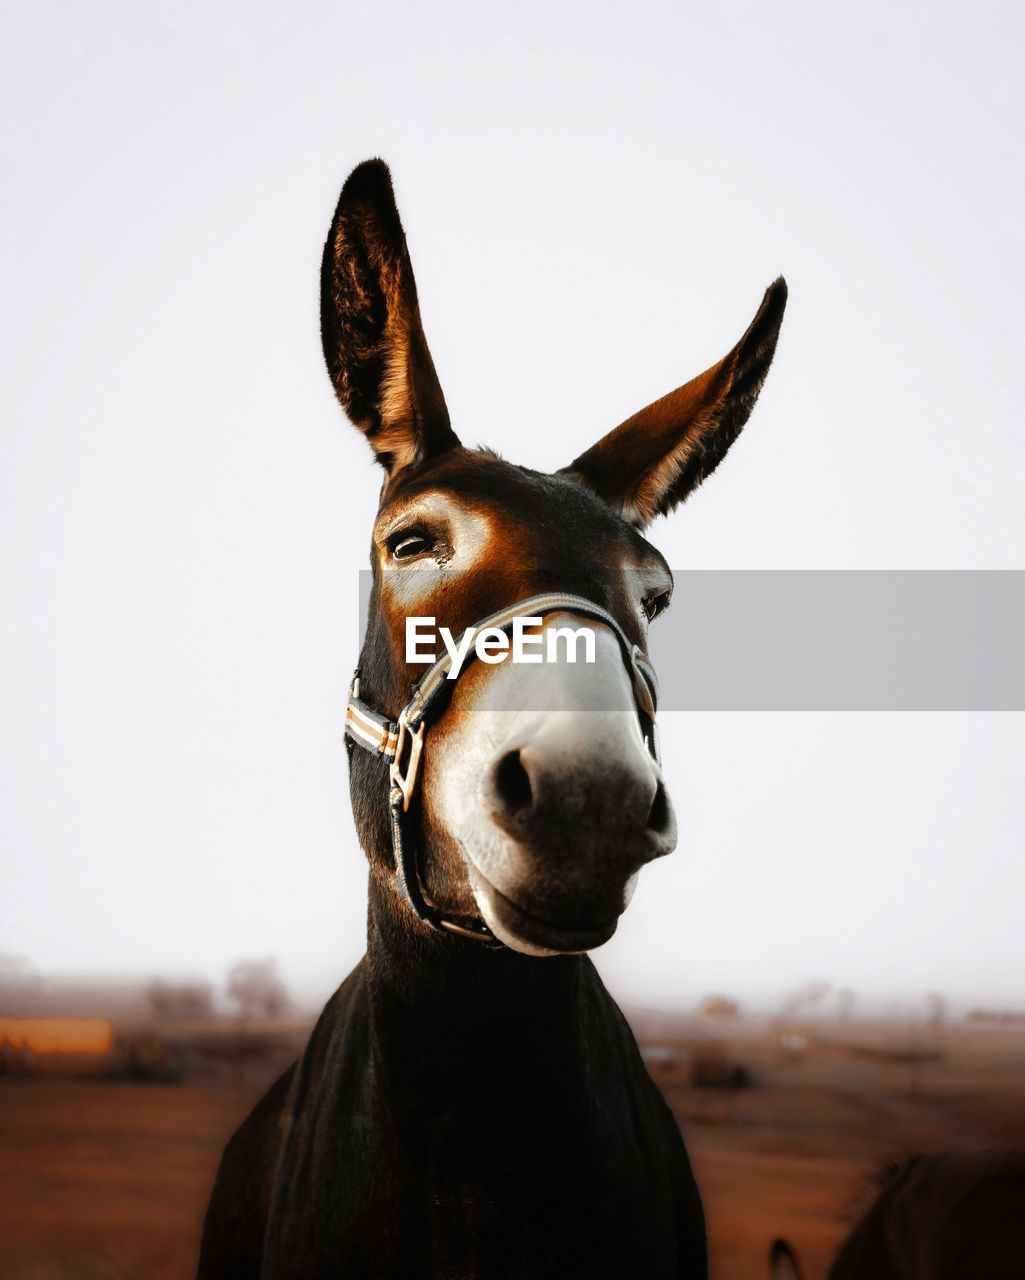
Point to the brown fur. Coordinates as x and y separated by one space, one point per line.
950 1216
385 381
653 460
468 1110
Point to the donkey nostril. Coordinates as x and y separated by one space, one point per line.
512 784
658 814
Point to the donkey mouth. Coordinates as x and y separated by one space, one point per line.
525 930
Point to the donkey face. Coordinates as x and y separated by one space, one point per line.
540 800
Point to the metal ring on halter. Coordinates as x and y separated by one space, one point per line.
402 743
404 777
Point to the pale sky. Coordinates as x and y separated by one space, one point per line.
595 198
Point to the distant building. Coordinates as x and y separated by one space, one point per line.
30 1045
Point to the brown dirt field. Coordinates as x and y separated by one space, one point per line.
104 1180
108 1180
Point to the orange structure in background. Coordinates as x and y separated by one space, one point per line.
58 1035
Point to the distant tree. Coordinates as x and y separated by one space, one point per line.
181 1000
719 1007
937 1007
805 998
16 971
22 989
845 1000
257 988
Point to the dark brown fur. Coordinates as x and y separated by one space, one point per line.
952 1216
463 1111
654 459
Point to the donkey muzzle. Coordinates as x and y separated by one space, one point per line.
569 806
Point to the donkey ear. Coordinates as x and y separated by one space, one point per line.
374 343
652 461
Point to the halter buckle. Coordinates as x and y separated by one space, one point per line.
404 780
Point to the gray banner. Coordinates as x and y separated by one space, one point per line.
858 640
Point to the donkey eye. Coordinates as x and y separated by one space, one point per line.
407 545
655 604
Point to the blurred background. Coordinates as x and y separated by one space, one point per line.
829 968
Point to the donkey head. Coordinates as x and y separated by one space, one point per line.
540 801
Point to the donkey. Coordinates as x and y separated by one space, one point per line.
471 1102
951 1216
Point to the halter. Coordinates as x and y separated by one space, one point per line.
401 742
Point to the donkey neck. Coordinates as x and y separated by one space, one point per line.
451 1012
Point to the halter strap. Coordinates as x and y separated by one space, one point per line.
401 742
